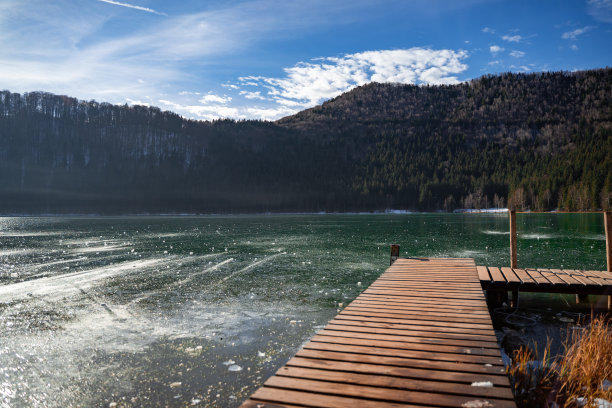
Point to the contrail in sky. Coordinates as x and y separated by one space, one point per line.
148 10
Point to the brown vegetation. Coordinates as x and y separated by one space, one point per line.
579 377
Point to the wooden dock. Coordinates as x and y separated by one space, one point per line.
546 280
420 335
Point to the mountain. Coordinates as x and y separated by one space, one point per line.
538 141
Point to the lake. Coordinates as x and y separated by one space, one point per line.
155 311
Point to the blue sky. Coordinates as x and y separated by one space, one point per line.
266 59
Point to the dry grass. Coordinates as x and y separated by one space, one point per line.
532 378
587 363
574 379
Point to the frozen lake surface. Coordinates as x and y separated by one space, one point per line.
178 311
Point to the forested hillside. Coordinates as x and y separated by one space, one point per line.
539 141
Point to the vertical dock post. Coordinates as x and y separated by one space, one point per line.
512 214
608 228
581 298
394 253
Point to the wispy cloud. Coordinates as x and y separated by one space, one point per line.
214 98
513 38
495 49
132 6
520 68
252 95
517 54
600 10
309 83
488 30
574 34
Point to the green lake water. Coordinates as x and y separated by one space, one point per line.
179 311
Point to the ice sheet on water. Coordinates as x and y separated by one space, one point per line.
492 232
18 252
56 287
539 236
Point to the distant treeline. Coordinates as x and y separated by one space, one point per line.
539 141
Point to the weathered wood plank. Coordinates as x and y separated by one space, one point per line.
496 274
510 276
375 393
396 382
418 336
524 276
483 273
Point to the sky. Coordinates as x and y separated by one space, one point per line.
266 59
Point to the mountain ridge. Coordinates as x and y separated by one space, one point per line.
538 141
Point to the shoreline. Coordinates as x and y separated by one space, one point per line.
267 213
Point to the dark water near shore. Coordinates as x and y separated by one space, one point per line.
178 311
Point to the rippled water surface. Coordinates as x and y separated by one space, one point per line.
178 311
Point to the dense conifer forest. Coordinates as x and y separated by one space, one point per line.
529 141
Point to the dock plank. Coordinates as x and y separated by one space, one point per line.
420 335
547 280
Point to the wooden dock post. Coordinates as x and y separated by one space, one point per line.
608 228
512 214
394 253
581 298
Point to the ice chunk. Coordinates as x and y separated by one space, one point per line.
234 367
229 362
261 354
486 384
476 404
176 384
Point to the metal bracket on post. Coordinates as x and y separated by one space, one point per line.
394 253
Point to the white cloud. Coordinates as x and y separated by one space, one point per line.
600 10
520 68
72 51
495 49
488 30
572 35
309 83
574 47
252 95
512 38
213 98
517 54
269 113
136 102
132 6
495 62
203 111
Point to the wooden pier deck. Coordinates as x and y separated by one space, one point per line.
420 335
546 280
